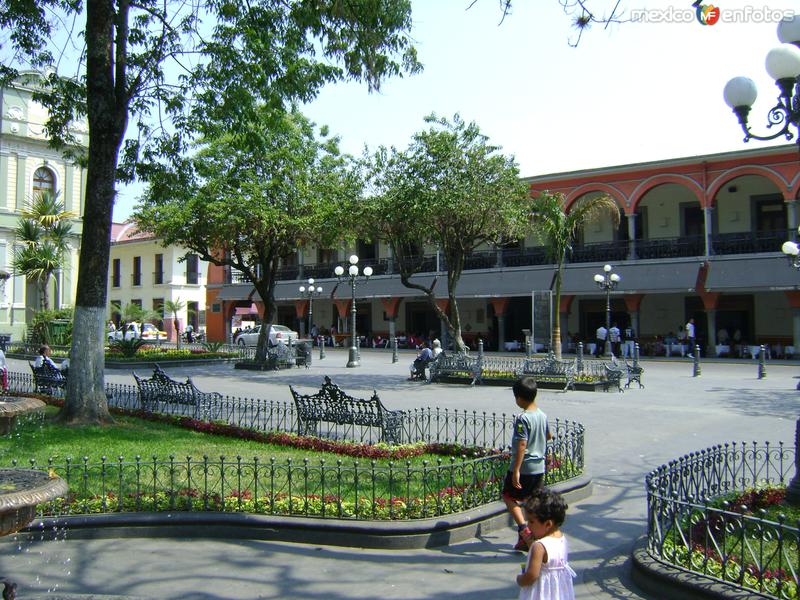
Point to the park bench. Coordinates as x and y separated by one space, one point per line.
160 390
455 365
331 405
634 372
549 369
613 376
47 378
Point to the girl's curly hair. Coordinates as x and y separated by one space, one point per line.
546 504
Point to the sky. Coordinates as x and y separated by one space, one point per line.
631 92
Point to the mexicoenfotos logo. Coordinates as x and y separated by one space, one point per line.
707 14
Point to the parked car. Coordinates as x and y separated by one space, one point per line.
249 337
146 331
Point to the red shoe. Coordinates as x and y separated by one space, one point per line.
522 541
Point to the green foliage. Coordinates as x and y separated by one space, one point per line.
213 346
51 327
259 194
127 347
42 233
557 225
451 188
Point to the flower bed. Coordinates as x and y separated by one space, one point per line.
719 513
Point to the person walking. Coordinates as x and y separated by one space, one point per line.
600 339
691 341
614 338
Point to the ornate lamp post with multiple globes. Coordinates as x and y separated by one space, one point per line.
607 281
783 65
309 293
353 277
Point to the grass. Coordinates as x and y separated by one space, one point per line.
143 465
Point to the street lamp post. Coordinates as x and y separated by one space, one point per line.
792 251
309 293
783 65
607 281
353 277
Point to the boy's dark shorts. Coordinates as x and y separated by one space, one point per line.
529 483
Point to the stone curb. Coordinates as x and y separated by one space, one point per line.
390 535
665 581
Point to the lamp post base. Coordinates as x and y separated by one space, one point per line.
352 358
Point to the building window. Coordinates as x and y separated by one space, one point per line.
158 308
44 181
137 270
193 314
327 256
115 273
158 273
192 269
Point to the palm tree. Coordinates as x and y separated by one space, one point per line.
174 307
557 229
43 232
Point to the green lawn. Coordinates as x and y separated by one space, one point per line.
178 468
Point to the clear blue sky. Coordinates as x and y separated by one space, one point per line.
629 93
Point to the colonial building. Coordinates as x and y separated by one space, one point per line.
145 273
27 166
699 237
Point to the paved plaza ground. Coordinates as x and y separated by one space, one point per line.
627 435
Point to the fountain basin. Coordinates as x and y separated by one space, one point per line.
21 490
12 407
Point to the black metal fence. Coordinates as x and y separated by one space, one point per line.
341 488
708 515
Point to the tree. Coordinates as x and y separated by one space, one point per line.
248 200
557 228
174 307
43 232
227 56
452 189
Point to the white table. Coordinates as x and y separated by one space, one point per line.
723 349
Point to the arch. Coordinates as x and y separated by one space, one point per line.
37 182
657 180
588 188
794 190
766 172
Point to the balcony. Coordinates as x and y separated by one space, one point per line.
136 279
158 277
750 242
671 247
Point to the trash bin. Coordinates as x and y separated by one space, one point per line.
304 350
5 340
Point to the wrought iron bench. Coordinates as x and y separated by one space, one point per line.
330 404
549 369
47 378
634 374
455 365
613 376
282 356
161 389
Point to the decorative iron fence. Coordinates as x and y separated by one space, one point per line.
698 522
337 489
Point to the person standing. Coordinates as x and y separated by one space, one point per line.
691 341
614 338
628 341
600 339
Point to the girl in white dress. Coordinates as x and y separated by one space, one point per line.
547 575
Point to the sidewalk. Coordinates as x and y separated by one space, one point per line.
627 435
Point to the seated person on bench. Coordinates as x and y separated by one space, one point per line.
424 356
44 357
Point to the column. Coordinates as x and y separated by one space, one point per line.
710 304
300 311
391 306
301 260
4 180
793 296
707 216
500 305
631 236
633 304
69 193
791 218
343 310
22 182
498 253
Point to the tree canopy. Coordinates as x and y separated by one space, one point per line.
250 200
451 189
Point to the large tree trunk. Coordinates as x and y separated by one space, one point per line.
266 290
107 112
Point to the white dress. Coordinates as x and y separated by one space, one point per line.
555 576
